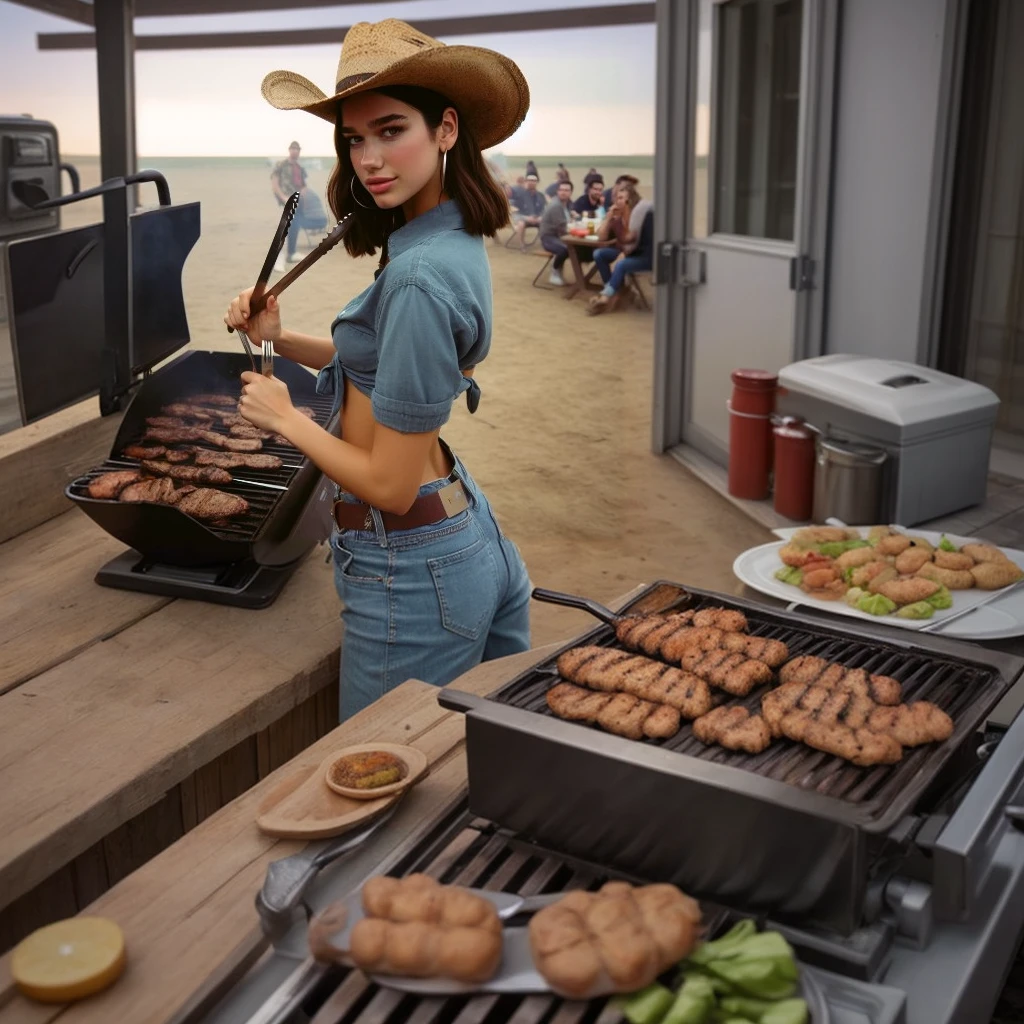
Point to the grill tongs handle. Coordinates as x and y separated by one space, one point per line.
584 604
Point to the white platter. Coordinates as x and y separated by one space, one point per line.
1001 617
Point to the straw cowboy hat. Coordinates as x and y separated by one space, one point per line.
487 88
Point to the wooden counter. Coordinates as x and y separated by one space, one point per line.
126 718
188 914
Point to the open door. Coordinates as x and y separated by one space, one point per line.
745 96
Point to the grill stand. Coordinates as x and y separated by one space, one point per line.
244 584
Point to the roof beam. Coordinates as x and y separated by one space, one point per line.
172 8
73 10
519 21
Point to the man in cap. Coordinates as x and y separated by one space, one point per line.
529 209
287 177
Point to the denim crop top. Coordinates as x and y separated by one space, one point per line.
405 341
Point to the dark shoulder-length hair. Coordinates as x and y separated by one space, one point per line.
468 181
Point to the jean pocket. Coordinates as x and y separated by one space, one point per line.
466 582
344 559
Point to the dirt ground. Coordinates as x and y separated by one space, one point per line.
560 442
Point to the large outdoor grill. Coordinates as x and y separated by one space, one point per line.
99 311
901 887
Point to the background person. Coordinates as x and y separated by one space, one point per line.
633 228
287 177
553 224
529 208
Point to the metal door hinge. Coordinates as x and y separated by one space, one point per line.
678 264
801 273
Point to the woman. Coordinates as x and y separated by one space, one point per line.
631 223
430 584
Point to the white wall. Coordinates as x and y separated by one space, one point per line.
886 120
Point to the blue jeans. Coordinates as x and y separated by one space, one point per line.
557 249
613 278
428 603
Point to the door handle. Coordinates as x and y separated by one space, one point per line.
679 265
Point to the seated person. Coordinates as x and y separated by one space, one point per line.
622 179
528 209
560 175
632 224
553 224
592 200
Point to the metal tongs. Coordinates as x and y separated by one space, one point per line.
260 292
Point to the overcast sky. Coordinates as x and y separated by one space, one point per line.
592 89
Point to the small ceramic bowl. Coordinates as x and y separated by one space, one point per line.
384 769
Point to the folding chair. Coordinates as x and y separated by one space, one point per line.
547 263
633 284
527 240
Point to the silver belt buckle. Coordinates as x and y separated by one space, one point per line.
453 498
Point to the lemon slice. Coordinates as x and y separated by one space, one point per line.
69 959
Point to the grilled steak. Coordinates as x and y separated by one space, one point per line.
728 670
109 485
209 503
611 670
187 411
141 451
195 474
807 670
619 713
183 435
221 400
178 455
158 489
248 430
171 422
228 460
735 728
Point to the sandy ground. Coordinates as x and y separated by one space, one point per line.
561 439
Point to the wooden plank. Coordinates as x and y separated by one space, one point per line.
50 606
50 901
103 737
189 908
89 872
38 461
139 840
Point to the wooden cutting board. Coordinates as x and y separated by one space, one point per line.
301 806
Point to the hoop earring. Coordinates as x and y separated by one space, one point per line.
355 198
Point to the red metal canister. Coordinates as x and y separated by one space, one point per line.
794 469
750 433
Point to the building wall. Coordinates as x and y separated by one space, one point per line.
886 122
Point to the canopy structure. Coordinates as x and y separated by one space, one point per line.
114 39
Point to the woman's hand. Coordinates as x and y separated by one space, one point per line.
265 401
264 326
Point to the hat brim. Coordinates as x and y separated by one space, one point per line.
487 88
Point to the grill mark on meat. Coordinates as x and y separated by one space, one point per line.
809 669
209 503
109 485
618 713
177 455
229 460
734 728
248 430
156 489
728 670
912 725
195 474
183 435
141 451
611 670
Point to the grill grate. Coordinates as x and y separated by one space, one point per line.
469 851
262 501
965 691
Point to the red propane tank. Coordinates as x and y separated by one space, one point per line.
750 432
794 469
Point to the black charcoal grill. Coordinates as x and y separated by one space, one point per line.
93 312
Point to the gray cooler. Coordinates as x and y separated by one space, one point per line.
936 429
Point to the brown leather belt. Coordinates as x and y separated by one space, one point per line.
426 510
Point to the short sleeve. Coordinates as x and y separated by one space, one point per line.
418 375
